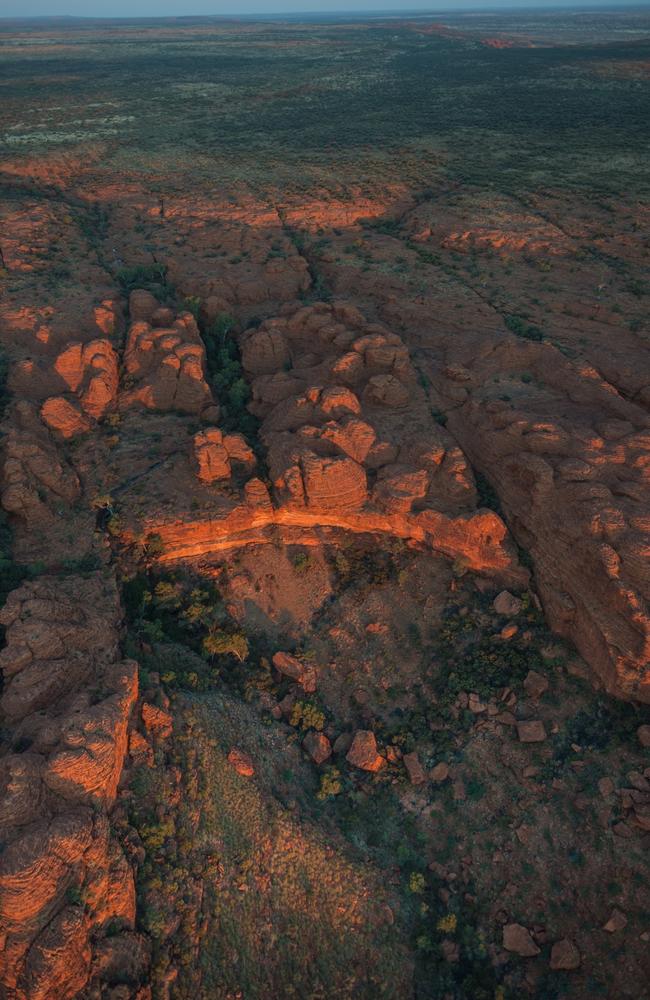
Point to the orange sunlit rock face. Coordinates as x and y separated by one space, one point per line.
165 367
61 635
347 389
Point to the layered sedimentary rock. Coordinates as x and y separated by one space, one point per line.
35 477
570 459
344 420
164 366
90 372
343 448
216 452
67 698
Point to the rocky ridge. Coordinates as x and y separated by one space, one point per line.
333 393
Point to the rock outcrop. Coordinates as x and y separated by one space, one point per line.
35 477
363 752
331 390
164 366
91 373
570 460
67 698
339 456
216 452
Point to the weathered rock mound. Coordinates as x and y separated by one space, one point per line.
35 477
343 417
215 454
164 366
91 373
344 451
67 698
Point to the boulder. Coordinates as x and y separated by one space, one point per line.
439 773
617 922
303 674
518 940
507 604
241 762
565 956
317 746
417 774
535 684
363 752
643 735
532 731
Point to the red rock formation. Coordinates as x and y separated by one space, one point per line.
570 463
35 477
215 453
62 416
480 542
324 448
90 372
211 456
303 674
317 746
242 763
330 388
165 367
55 799
363 752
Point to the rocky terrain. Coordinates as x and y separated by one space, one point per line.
325 533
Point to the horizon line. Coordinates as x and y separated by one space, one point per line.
377 13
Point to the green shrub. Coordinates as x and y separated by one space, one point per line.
221 643
151 277
521 328
330 784
307 715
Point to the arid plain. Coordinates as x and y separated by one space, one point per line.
326 508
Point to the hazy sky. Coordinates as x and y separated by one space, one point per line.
161 8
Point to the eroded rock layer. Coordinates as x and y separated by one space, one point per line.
570 460
68 698
350 445
164 366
